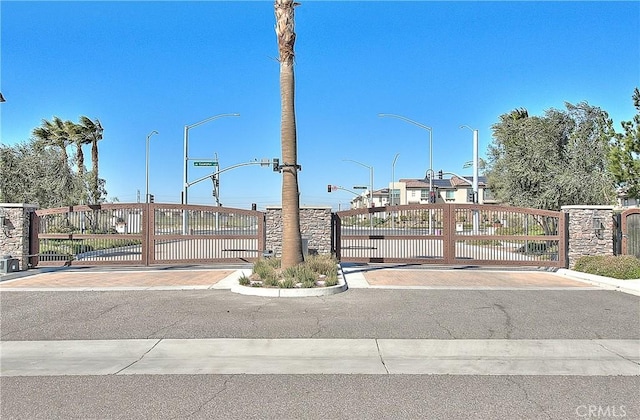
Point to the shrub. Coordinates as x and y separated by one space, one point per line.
331 280
301 274
270 281
322 264
264 269
316 267
618 267
244 280
308 284
534 248
288 283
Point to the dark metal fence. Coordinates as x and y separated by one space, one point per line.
452 234
143 234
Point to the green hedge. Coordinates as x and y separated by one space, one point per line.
623 267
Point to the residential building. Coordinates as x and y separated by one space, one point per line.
380 199
624 200
416 191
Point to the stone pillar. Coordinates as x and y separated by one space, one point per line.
590 231
315 226
15 231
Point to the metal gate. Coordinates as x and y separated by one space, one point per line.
630 226
464 234
146 234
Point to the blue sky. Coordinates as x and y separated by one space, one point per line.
143 66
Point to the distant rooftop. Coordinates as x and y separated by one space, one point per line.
452 182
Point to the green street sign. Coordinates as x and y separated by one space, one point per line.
209 163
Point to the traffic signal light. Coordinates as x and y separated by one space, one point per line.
432 197
276 165
471 197
329 188
254 207
440 174
151 198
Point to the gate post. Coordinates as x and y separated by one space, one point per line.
315 226
590 231
148 250
15 231
617 234
336 226
449 238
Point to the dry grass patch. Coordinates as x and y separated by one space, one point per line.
315 271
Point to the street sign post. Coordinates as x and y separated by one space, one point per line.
207 163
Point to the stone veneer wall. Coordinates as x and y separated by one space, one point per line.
15 234
583 239
315 225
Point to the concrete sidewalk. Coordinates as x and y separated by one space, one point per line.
221 356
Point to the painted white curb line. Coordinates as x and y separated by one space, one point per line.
626 286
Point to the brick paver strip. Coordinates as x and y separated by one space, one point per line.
468 278
121 279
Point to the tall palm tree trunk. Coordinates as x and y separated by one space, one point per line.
93 132
291 238
95 191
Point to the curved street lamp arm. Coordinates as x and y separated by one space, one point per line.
407 120
219 171
355 161
211 119
348 190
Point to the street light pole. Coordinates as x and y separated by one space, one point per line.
474 185
430 170
185 184
393 180
147 166
476 198
430 140
370 179
393 190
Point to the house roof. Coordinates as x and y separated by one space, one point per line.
452 182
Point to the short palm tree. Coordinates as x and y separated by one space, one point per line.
54 133
291 238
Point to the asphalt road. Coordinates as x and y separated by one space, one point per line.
316 397
357 313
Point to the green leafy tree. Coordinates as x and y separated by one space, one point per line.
31 173
624 162
557 159
40 171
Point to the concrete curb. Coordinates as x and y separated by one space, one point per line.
275 292
626 286
231 280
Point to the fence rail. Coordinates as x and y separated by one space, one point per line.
145 234
451 234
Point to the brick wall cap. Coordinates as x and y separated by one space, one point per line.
586 207
18 205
